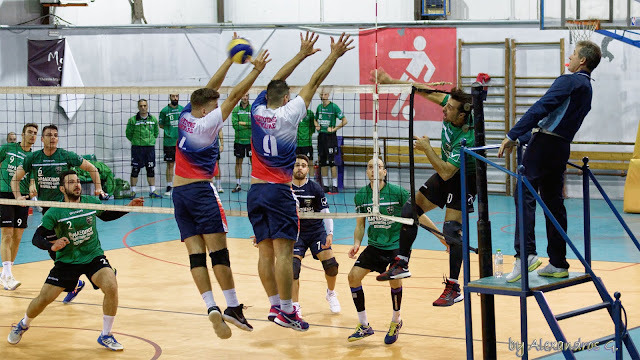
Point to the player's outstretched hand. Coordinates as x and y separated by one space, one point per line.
342 45
260 61
59 244
307 43
139 201
383 77
421 143
328 242
505 147
354 251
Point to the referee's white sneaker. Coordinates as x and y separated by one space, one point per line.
10 283
515 274
332 299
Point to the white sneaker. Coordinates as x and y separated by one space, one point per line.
515 274
11 283
332 299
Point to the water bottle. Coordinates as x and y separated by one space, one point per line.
498 261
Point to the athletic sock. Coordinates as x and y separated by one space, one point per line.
396 301
134 188
152 188
274 300
26 321
208 299
362 317
230 296
107 324
6 269
170 184
237 181
334 182
286 306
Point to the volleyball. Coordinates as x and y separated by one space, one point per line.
240 50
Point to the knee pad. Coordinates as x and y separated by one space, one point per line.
151 171
220 257
198 260
297 263
407 213
134 172
330 266
452 230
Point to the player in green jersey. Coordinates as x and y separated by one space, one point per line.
168 121
241 121
306 128
326 115
142 130
73 235
442 188
383 235
12 137
14 218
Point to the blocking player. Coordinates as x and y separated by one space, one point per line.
14 218
383 236
315 234
442 188
73 235
271 204
198 209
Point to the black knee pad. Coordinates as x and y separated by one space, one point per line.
151 171
330 266
220 257
297 263
198 260
407 211
134 172
452 230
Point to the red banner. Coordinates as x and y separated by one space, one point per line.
413 54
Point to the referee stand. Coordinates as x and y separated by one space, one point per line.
533 285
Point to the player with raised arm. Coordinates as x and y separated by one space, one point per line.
271 204
198 209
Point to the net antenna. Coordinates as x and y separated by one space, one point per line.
376 150
582 29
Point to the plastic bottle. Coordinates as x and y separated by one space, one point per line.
498 263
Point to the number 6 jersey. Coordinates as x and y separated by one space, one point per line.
273 139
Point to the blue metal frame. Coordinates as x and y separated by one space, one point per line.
614 307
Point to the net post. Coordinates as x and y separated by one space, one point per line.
487 306
376 155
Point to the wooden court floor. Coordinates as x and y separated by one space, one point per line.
161 314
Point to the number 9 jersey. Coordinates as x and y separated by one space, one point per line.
273 139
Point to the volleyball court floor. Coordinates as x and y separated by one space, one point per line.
161 314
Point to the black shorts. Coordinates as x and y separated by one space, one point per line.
170 153
376 259
327 148
143 157
66 275
13 216
306 151
447 193
241 151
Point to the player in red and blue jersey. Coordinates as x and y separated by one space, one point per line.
198 209
271 204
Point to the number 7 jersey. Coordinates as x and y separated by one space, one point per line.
273 139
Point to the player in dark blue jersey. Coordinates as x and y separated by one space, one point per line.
315 234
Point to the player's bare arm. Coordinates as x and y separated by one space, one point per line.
446 170
384 78
358 234
307 49
338 48
216 80
259 63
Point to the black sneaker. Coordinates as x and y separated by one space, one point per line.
333 190
326 189
234 315
398 270
237 188
219 326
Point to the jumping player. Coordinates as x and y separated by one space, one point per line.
271 204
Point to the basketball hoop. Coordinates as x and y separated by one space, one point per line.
582 29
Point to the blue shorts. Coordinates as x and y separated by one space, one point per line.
143 157
273 212
198 210
313 242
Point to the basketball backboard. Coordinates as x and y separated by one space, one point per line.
613 14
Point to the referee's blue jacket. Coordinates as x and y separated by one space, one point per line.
561 109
